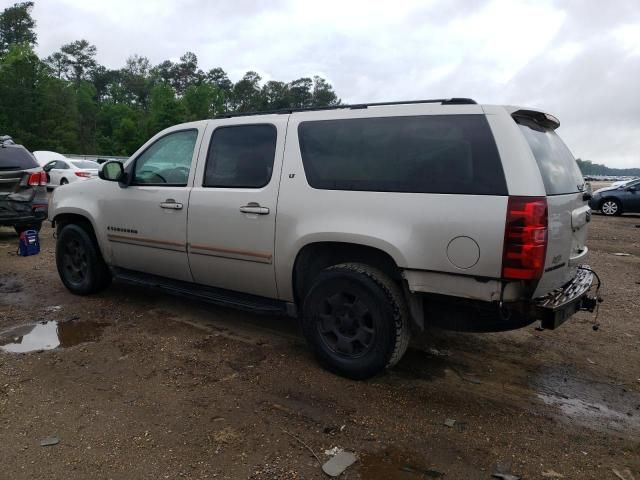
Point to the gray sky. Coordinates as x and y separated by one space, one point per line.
577 59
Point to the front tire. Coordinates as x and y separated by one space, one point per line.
611 207
79 261
356 320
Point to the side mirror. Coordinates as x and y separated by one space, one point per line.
46 168
111 171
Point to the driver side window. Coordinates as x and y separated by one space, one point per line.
167 161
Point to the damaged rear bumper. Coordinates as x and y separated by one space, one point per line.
558 306
22 213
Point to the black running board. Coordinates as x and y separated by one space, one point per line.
219 296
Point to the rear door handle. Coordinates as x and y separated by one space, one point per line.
171 204
255 208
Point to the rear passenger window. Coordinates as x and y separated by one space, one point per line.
241 156
425 154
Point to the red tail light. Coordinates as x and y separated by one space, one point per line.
38 178
83 174
525 238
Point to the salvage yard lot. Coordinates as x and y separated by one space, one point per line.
147 385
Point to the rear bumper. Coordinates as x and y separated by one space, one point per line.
551 310
558 306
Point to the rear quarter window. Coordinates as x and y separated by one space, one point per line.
16 157
560 172
423 154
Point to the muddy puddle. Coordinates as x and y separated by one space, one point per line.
391 464
49 335
597 405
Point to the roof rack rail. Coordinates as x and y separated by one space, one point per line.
357 106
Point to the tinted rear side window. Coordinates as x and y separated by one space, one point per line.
559 170
16 158
241 156
425 154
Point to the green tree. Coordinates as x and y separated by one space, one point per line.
17 26
246 93
323 94
300 93
79 60
164 109
203 101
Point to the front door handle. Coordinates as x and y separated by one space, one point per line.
255 208
171 204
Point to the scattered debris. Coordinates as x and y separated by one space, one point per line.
49 441
622 254
552 474
505 476
332 451
53 308
438 353
339 463
303 444
591 361
429 473
450 422
627 474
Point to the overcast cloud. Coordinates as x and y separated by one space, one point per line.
577 59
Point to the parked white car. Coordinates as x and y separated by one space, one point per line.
368 222
66 171
44 156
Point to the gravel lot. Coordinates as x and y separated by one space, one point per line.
148 386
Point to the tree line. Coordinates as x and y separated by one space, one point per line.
587 167
68 102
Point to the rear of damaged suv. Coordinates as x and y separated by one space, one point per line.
23 194
543 276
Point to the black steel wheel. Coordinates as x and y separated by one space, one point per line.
79 262
355 319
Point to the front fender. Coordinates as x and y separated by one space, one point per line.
75 200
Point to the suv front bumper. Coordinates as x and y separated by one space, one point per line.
558 306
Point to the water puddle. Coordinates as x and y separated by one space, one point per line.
601 406
391 464
49 335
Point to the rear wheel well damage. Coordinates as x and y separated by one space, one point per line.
316 257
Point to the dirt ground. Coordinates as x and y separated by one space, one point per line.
149 386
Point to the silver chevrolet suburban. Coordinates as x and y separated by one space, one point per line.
365 221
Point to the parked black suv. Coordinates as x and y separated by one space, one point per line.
23 191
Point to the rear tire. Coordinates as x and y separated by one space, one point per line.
79 261
610 207
356 320
64 181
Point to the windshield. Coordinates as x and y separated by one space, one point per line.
559 170
86 164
